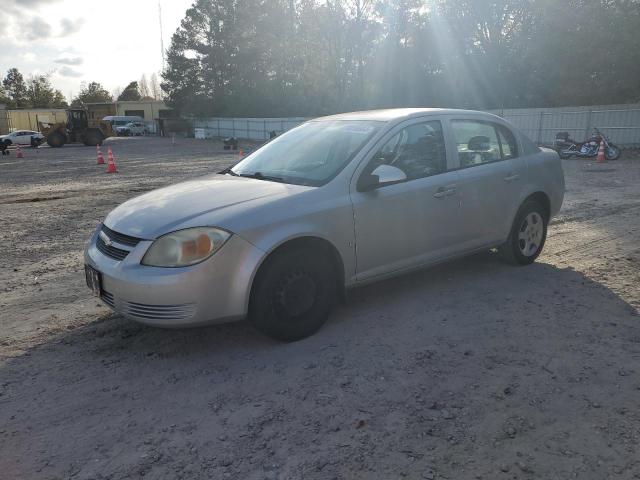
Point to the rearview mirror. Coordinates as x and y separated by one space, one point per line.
381 175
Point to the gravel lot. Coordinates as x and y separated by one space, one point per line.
474 369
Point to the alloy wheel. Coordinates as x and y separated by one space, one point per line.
530 234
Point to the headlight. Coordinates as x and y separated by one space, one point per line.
185 247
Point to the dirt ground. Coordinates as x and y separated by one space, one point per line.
471 370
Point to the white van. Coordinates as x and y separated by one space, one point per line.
118 122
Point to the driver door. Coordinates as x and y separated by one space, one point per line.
24 138
413 221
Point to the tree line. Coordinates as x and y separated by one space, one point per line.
38 92
35 92
310 57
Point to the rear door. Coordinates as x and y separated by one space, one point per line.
491 173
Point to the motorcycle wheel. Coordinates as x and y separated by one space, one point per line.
563 155
612 152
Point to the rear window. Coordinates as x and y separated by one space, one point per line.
528 147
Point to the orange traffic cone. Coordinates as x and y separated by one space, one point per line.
99 154
111 166
601 158
240 154
19 153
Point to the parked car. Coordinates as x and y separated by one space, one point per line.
117 121
22 138
335 203
132 128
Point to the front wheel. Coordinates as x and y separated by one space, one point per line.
293 295
612 152
92 138
55 140
528 234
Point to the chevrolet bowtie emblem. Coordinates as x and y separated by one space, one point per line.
107 241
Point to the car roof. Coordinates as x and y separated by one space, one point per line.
390 114
133 118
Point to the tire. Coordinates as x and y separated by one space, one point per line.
55 140
293 295
612 152
92 138
528 234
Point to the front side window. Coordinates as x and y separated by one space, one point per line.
482 142
311 154
418 150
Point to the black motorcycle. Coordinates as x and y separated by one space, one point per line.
567 148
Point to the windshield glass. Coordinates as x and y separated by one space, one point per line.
311 154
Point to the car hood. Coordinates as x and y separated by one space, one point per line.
206 201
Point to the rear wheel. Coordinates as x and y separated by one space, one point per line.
55 140
293 295
528 234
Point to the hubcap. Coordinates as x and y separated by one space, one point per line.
296 294
530 234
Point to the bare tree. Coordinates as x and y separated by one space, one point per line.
154 85
143 86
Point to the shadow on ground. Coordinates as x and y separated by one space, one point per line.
474 369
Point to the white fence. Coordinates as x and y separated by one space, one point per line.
247 128
621 123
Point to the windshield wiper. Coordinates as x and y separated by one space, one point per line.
260 176
228 171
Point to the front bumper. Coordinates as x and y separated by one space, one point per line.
214 291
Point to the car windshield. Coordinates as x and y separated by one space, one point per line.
311 154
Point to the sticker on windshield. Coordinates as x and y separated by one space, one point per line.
359 129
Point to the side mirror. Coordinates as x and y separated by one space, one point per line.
381 175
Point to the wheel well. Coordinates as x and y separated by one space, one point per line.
543 200
319 246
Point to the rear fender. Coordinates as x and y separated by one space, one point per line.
545 175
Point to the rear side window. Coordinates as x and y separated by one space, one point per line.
483 142
507 142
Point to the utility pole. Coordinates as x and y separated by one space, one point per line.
161 36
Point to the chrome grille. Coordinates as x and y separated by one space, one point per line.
120 237
112 251
162 312
107 298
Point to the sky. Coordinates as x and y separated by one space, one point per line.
112 42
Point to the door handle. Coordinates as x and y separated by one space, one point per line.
511 177
445 191
441 193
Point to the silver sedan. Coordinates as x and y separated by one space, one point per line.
335 203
